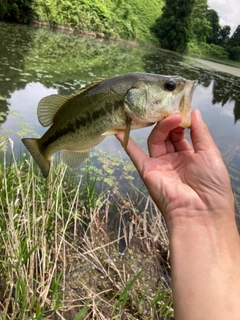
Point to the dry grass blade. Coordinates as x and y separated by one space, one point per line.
64 255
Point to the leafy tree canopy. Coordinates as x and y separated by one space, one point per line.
173 27
201 27
224 35
235 39
213 18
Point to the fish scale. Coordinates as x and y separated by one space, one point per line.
106 107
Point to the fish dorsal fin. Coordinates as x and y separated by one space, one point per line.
48 107
88 86
74 159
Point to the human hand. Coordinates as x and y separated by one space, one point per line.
191 187
187 183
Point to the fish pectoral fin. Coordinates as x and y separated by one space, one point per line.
74 159
112 132
48 107
127 132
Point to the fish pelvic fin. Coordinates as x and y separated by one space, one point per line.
74 159
33 147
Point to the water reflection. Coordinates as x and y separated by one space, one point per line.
37 62
13 50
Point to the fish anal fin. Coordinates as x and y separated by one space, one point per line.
74 159
33 147
48 107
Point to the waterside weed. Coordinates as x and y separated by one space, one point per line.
75 246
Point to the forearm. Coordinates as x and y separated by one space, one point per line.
206 272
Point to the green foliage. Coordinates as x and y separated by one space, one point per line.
209 50
233 45
209 38
51 248
201 27
81 314
125 293
235 39
224 35
163 302
213 18
233 52
173 27
122 19
22 11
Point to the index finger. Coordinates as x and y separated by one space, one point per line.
136 154
159 134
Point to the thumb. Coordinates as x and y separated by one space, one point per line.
200 135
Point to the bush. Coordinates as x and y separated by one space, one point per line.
234 53
210 50
121 19
17 10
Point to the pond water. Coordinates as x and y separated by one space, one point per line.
36 62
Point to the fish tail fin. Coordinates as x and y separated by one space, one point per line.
33 147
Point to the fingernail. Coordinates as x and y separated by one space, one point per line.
198 114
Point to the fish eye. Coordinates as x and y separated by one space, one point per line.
170 85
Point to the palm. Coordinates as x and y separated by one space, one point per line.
172 180
177 176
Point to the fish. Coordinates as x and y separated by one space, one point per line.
106 107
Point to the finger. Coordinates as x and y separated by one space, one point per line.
136 154
158 141
200 135
179 142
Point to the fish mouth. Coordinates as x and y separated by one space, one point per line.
188 93
183 103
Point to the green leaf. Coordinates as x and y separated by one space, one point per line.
82 313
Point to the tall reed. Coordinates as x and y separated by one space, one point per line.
71 248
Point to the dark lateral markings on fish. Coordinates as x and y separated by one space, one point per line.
106 107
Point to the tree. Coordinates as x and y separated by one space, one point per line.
233 45
173 28
233 53
223 37
235 38
213 18
201 27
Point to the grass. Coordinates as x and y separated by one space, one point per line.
75 246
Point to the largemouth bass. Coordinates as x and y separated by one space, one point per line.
106 107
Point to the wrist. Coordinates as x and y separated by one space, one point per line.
205 260
187 222
207 236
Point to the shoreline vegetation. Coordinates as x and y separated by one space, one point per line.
75 246
97 35
82 244
92 34
152 23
